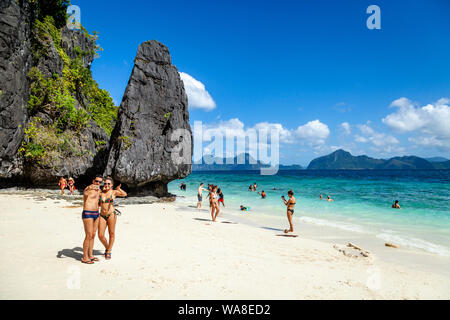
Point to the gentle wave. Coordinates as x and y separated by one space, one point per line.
411 242
338 225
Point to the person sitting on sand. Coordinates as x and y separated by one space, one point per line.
199 195
71 184
396 205
290 209
62 184
108 214
90 218
329 198
220 194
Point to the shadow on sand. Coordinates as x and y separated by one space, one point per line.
200 219
75 253
274 229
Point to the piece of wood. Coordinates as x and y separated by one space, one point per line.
387 244
354 246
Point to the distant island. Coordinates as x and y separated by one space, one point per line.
337 160
243 161
344 160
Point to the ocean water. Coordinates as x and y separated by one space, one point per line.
362 201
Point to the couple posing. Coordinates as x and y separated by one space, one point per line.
95 198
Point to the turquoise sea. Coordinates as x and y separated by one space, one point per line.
362 201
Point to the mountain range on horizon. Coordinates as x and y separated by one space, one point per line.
337 160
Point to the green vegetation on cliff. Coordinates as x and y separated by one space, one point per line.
62 105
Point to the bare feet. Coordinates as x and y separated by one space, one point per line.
286 230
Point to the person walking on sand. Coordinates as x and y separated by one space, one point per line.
90 218
290 209
71 184
108 214
62 184
199 195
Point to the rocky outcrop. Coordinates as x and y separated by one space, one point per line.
55 120
34 54
15 62
152 124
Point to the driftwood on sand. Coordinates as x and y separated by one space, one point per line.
387 244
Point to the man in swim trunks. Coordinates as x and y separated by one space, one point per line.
90 218
290 209
199 195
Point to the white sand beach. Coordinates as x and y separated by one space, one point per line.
169 251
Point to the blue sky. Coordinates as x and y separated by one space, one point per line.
306 66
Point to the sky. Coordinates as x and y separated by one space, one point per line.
312 70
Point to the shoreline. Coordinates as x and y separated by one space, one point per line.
172 251
406 256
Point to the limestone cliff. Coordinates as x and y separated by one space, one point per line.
153 120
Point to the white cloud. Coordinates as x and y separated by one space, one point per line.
198 97
345 126
381 142
314 132
431 122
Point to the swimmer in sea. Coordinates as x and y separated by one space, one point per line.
329 199
396 205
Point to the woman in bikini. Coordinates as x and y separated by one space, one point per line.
108 215
71 184
214 203
290 209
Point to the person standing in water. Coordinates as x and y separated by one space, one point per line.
62 184
220 194
396 205
108 214
290 209
199 195
90 218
